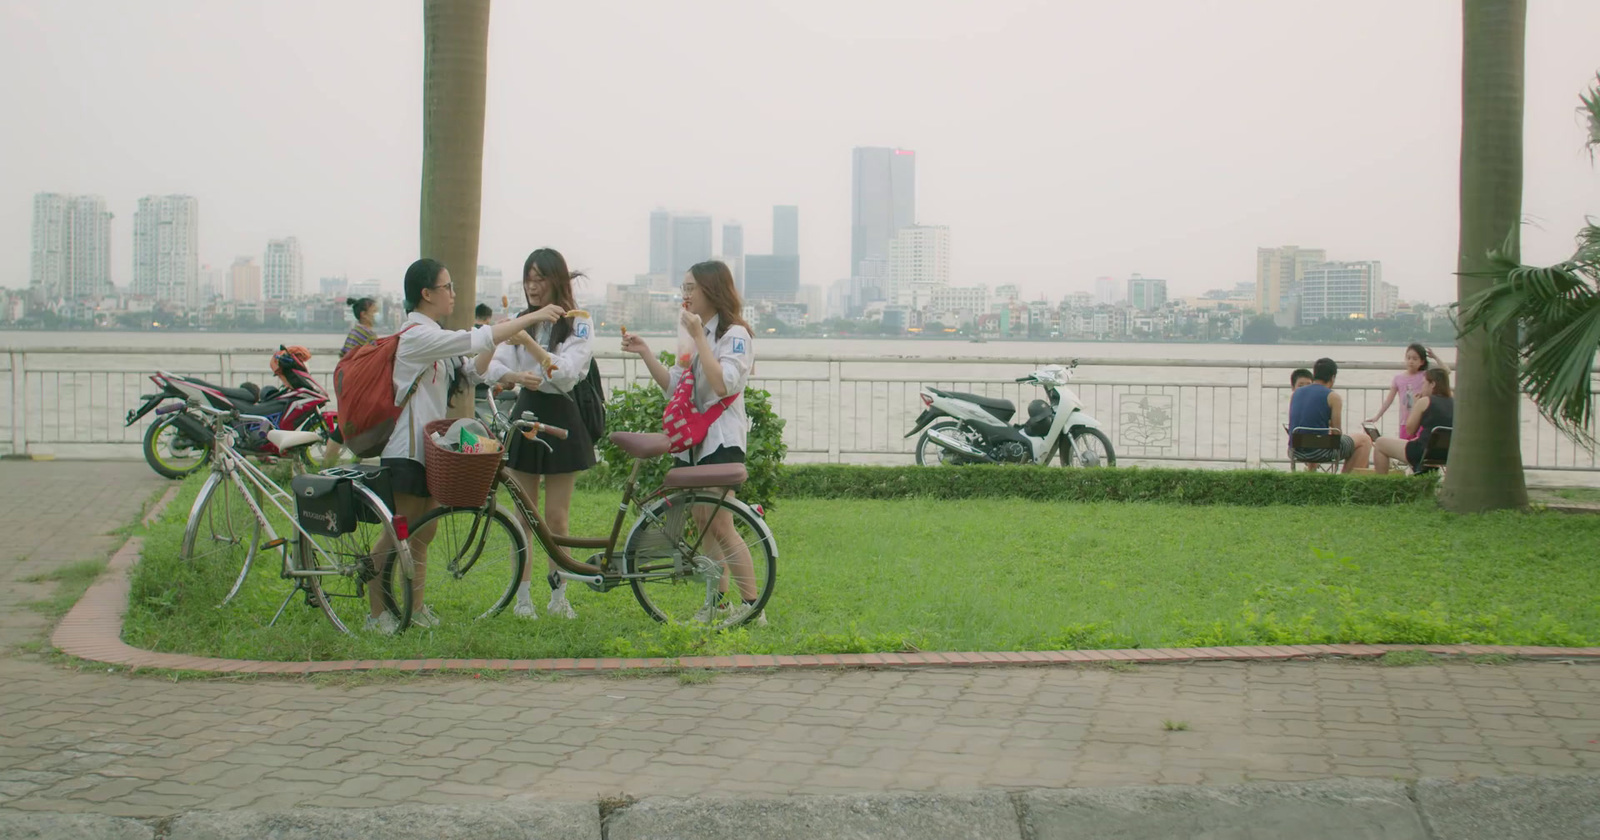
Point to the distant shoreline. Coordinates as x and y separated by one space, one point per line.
790 337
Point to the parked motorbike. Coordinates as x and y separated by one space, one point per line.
179 441
960 428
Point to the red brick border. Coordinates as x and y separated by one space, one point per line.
93 630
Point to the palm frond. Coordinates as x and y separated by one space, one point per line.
1556 312
1591 108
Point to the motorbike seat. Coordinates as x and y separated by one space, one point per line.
990 404
250 394
261 409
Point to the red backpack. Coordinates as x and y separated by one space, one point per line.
363 383
685 425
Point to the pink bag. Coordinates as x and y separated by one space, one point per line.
686 426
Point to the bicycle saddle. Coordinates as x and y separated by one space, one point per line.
638 445
710 475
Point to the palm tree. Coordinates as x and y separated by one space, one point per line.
454 76
1485 451
1556 310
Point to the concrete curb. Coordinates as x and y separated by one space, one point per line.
1510 808
93 630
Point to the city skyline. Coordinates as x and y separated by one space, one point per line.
1375 181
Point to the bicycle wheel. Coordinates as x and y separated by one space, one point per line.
346 566
473 563
677 575
223 533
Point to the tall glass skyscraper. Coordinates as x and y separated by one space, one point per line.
883 200
786 230
691 243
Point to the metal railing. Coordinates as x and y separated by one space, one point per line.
851 409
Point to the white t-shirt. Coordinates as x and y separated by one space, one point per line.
427 345
572 357
735 355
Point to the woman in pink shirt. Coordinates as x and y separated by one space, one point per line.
1408 386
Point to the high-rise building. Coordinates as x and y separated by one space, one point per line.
213 283
733 252
883 199
1339 290
660 241
691 243
1385 299
1107 290
282 269
71 246
166 248
491 286
919 260
811 298
786 230
333 286
244 279
1279 273
774 277
1146 294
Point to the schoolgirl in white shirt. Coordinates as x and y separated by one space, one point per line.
437 355
724 355
547 283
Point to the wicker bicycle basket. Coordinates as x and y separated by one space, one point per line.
457 479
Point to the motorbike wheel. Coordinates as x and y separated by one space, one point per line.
171 452
1094 450
312 457
930 454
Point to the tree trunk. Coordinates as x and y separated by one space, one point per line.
1485 471
454 77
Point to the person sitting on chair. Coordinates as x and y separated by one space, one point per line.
1316 407
1435 406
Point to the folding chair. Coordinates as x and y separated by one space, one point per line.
1436 452
1302 437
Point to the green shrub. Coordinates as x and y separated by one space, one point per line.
1126 484
638 408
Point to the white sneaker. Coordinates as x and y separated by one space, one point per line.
424 617
384 624
524 609
709 613
738 613
559 605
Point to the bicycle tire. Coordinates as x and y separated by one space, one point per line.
340 589
677 586
473 563
222 531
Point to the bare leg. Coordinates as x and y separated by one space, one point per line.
732 552
330 454
1362 456
529 484
558 505
1388 448
412 508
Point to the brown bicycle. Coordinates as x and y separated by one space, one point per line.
684 555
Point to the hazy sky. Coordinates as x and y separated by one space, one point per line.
1060 141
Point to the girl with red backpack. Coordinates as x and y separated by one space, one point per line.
566 345
430 366
720 366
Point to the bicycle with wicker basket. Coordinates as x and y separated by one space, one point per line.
677 569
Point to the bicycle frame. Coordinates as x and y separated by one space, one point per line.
600 578
228 464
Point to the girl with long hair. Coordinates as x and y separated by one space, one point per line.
1435 407
724 355
546 390
1407 387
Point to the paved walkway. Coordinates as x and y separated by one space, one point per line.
89 740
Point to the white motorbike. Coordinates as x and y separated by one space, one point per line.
960 428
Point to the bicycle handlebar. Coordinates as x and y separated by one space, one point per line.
531 429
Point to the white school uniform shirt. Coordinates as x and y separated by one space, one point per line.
427 345
735 355
573 357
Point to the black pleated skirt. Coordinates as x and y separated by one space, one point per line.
575 454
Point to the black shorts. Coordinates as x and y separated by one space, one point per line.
407 476
720 455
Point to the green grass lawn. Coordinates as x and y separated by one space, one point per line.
856 576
